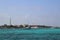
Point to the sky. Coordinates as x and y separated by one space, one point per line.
40 12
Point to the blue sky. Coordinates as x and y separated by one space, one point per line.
43 12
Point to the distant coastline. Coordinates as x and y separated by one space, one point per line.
26 26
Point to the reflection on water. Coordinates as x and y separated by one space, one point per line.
36 34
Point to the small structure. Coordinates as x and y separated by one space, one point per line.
34 26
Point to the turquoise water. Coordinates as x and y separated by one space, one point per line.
29 34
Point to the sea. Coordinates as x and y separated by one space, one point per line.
30 34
